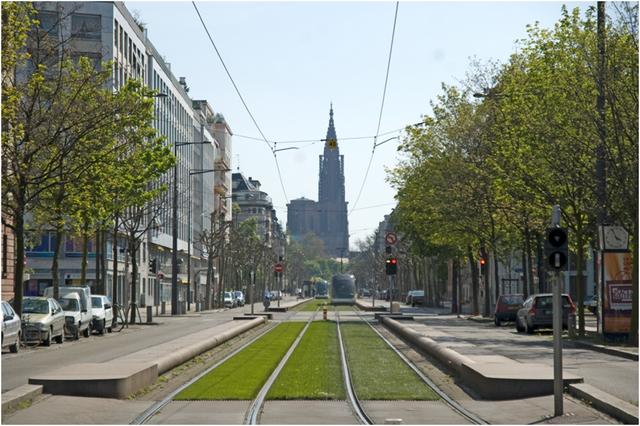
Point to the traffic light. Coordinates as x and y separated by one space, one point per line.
556 248
153 265
483 265
391 266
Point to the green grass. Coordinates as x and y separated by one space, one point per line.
242 376
377 372
313 371
311 305
341 308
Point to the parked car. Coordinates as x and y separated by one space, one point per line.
537 312
365 292
229 301
74 324
417 298
84 316
239 298
507 307
275 295
591 303
102 312
11 328
42 320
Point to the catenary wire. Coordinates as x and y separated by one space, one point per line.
384 92
242 99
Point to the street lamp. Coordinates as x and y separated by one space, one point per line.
191 173
174 252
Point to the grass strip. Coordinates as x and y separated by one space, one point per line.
377 372
242 376
314 370
311 305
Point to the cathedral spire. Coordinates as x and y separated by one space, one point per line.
331 131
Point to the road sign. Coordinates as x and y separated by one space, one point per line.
391 238
278 267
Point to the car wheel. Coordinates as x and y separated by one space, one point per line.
87 331
47 340
16 346
519 327
528 328
497 321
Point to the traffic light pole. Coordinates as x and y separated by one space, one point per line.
557 345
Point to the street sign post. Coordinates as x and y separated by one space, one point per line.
391 238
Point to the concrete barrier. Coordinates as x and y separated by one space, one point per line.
615 407
15 397
492 377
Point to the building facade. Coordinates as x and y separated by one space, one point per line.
106 31
327 217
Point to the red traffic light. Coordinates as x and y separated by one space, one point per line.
394 260
482 261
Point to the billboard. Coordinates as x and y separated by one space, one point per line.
617 292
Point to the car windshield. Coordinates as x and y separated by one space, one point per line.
238 294
69 304
227 295
96 302
512 299
35 306
546 302
418 293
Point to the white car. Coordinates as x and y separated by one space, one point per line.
11 328
73 315
239 296
229 300
102 312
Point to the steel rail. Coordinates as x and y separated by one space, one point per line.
362 416
454 405
155 408
251 416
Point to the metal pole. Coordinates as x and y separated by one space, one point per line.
189 252
251 289
557 345
279 287
174 253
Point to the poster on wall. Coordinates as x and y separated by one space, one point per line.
617 292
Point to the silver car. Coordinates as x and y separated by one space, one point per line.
11 328
42 320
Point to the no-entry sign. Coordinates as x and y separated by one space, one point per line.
278 267
391 238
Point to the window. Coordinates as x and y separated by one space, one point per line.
86 26
49 22
74 245
115 36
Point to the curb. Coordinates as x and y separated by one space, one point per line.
608 404
602 349
14 397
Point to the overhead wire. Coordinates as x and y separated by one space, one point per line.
272 148
384 93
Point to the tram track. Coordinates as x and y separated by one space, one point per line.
155 408
454 405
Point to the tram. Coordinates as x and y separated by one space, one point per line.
321 289
343 289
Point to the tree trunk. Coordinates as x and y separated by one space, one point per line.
485 280
475 285
633 333
114 290
580 281
496 272
134 277
529 270
207 299
525 278
542 285
19 265
85 250
98 252
55 270
455 309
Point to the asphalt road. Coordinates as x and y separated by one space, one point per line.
614 375
17 368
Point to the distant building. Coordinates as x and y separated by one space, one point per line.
327 217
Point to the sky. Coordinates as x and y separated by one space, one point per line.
291 60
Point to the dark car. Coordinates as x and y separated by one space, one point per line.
415 297
537 312
507 308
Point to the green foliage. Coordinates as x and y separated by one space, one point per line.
377 372
313 370
242 376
